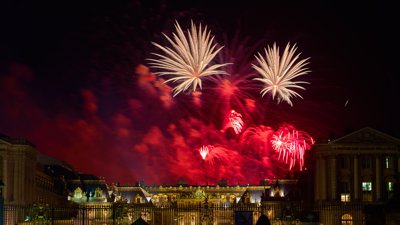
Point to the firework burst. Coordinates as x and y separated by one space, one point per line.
214 154
192 64
237 89
257 139
278 72
204 150
291 145
235 121
189 58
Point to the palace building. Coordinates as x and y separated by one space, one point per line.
354 173
352 180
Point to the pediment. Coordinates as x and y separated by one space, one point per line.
368 136
4 139
4 143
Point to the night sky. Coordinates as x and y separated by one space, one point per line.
69 82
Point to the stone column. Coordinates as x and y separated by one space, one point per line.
1 204
377 178
356 176
323 178
17 179
332 175
23 185
317 181
10 191
398 165
5 176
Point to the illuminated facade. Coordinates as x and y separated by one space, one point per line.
18 170
354 173
211 204
30 177
348 181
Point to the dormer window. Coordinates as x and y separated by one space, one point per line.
98 193
138 199
78 193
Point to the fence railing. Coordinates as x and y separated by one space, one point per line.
126 214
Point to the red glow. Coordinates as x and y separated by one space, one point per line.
154 130
258 139
291 145
235 121
215 154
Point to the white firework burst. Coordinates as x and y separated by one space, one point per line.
278 72
188 59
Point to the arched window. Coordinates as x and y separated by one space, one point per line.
155 198
247 198
78 193
232 198
277 192
347 219
223 198
98 193
138 199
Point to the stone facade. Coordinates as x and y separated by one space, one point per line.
350 180
353 172
17 170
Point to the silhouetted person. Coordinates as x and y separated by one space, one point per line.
263 220
140 221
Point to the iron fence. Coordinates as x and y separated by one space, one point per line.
202 214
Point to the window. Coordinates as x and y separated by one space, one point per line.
192 219
345 163
223 198
97 193
366 186
247 197
78 193
388 162
366 191
232 198
389 186
155 198
347 219
138 199
345 187
366 162
345 197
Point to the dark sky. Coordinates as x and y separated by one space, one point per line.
68 81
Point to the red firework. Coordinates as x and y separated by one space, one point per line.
291 145
204 150
257 139
235 121
214 154
236 90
